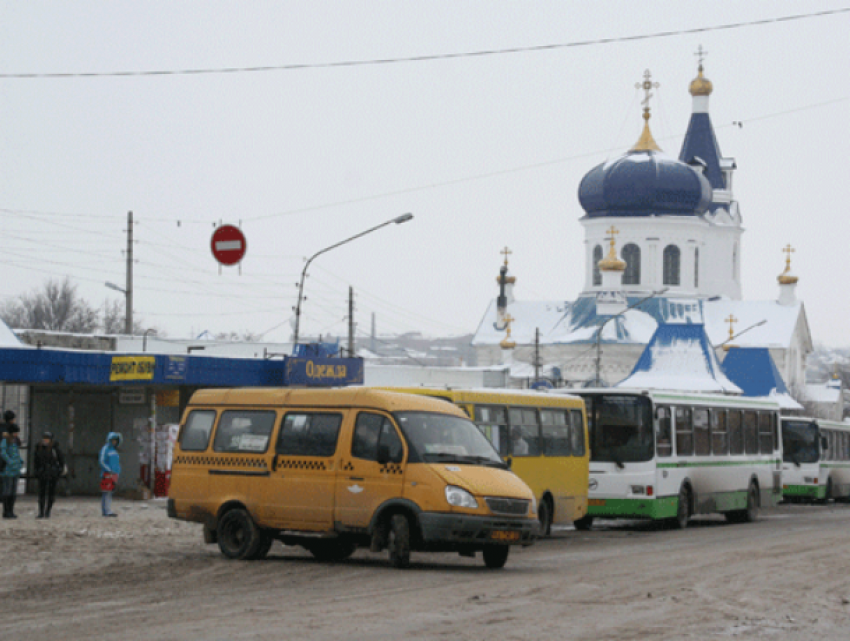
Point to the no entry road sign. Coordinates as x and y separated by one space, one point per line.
228 244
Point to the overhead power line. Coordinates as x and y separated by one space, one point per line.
423 58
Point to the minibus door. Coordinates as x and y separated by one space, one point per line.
370 471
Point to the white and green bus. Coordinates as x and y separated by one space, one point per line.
670 455
816 455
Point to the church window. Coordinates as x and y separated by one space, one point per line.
672 256
597 256
696 267
631 254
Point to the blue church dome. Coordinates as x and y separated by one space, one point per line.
644 182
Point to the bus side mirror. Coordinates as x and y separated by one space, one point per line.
824 445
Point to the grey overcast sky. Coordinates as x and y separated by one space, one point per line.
486 151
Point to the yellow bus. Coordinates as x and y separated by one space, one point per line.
543 437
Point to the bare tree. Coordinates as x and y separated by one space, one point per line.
113 320
55 307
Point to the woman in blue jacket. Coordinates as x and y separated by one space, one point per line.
110 468
10 454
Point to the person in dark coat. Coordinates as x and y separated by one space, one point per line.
48 463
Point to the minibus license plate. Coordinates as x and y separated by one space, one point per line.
596 502
504 535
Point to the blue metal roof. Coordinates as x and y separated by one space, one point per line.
644 183
700 142
667 334
753 370
582 314
33 366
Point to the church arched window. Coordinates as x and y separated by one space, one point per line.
672 259
696 267
597 256
631 254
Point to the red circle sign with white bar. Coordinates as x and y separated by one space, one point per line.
228 244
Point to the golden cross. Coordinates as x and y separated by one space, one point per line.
788 250
506 251
700 54
647 85
731 320
611 232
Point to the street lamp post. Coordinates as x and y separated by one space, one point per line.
397 220
597 381
128 306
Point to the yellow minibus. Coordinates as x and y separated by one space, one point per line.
336 469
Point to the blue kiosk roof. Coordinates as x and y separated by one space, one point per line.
27 365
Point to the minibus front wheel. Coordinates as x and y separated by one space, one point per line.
398 541
495 556
238 535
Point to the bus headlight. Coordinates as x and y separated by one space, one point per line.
459 497
533 506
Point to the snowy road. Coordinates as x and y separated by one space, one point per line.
144 576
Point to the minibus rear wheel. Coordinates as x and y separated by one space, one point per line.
398 541
238 535
495 556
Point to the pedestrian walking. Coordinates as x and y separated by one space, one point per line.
110 468
48 464
12 463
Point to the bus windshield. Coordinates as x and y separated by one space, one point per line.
620 428
441 438
799 442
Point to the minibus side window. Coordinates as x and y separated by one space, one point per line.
663 436
555 427
719 441
196 432
492 420
751 438
309 434
371 431
702 440
684 432
736 432
577 432
243 431
765 433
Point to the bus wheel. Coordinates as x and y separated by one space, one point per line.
544 514
398 541
238 536
683 509
751 512
584 523
495 556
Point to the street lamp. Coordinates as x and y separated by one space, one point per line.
128 306
597 382
397 220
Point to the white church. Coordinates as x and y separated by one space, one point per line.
663 244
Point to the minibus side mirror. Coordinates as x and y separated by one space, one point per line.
509 461
383 454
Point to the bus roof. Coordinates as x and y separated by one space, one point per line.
687 397
496 395
326 397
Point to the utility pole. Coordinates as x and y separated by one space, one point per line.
350 322
536 353
128 289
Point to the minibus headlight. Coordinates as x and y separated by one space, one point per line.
533 506
459 497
